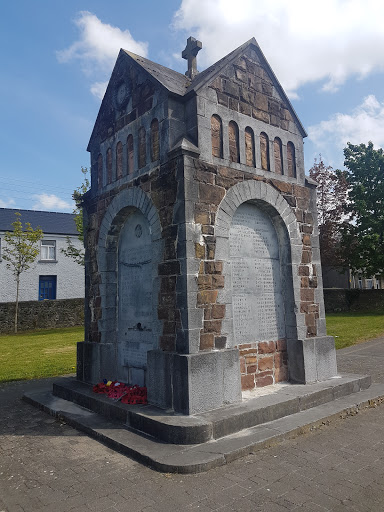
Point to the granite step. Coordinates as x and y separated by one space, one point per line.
195 458
273 403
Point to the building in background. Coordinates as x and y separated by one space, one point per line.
53 275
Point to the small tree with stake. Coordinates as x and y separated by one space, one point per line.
20 252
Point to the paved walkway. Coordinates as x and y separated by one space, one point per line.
47 466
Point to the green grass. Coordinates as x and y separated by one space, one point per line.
38 354
48 353
352 328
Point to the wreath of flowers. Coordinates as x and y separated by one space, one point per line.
122 392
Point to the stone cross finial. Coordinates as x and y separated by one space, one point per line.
191 50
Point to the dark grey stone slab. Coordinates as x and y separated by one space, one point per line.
197 458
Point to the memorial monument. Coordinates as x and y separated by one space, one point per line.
203 273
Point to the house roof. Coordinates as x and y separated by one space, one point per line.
52 223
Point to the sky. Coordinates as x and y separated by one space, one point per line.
57 57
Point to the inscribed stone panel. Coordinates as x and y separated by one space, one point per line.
258 308
135 291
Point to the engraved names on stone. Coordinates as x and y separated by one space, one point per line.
135 292
258 309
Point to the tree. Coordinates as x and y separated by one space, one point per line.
20 252
71 251
331 197
363 237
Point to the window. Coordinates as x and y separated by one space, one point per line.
217 136
130 155
233 135
47 287
119 160
291 160
155 140
278 155
264 150
249 147
48 250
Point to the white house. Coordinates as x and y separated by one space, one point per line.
53 275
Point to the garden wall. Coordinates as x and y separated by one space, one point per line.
342 300
42 314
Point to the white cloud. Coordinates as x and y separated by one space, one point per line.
304 41
98 46
7 204
365 123
98 89
50 202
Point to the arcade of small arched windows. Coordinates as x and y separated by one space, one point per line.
250 148
141 151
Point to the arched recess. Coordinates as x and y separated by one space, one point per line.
130 247
142 147
217 136
291 160
119 160
99 171
109 166
249 138
233 136
155 141
278 155
273 206
130 154
264 151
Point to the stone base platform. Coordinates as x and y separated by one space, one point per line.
191 444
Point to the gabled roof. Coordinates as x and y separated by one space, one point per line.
52 223
178 83
172 80
209 74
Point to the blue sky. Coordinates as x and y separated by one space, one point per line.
56 58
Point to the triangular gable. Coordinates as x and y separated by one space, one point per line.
250 65
129 92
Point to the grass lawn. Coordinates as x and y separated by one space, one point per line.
352 328
47 353
37 354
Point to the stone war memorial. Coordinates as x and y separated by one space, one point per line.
203 272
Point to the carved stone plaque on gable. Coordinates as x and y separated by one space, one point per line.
258 308
135 291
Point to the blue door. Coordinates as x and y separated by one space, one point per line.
47 287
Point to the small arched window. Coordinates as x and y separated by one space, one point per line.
130 154
142 148
217 136
278 155
155 143
291 160
233 136
99 171
264 151
249 147
119 160
109 166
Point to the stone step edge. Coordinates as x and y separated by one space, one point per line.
191 459
201 428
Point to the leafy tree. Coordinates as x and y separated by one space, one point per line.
71 251
20 252
363 237
331 197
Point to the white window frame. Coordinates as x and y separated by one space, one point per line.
48 250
